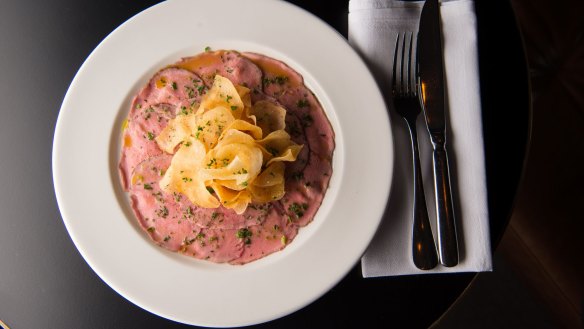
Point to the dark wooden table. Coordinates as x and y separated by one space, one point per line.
44 281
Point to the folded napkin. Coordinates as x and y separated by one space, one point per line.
373 27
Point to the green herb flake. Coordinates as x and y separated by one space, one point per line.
150 136
188 242
298 176
302 103
233 107
147 186
207 48
280 80
298 209
162 212
244 234
174 86
307 120
151 229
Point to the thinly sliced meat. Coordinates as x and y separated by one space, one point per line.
156 211
170 91
224 218
306 189
301 103
230 64
261 240
138 137
277 76
308 177
218 246
172 85
168 218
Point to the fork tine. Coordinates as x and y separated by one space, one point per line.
404 82
396 76
412 78
407 50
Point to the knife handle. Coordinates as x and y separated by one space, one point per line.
447 239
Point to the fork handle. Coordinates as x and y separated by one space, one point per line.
423 247
447 239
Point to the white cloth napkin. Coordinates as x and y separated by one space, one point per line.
373 25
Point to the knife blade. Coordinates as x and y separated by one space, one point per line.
431 90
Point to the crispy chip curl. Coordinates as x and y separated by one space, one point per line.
230 147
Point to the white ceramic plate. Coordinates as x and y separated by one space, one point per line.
96 211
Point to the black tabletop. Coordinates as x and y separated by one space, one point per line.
44 281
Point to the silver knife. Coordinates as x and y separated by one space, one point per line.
431 75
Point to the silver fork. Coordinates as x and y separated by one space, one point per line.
406 104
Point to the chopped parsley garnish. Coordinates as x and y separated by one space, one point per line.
298 175
187 144
298 209
214 215
244 234
158 196
241 171
233 107
302 103
188 212
187 179
150 136
207 48
147 186
190 92
279 80
188 242
174 86
212 162
162 212
307 120
294 129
